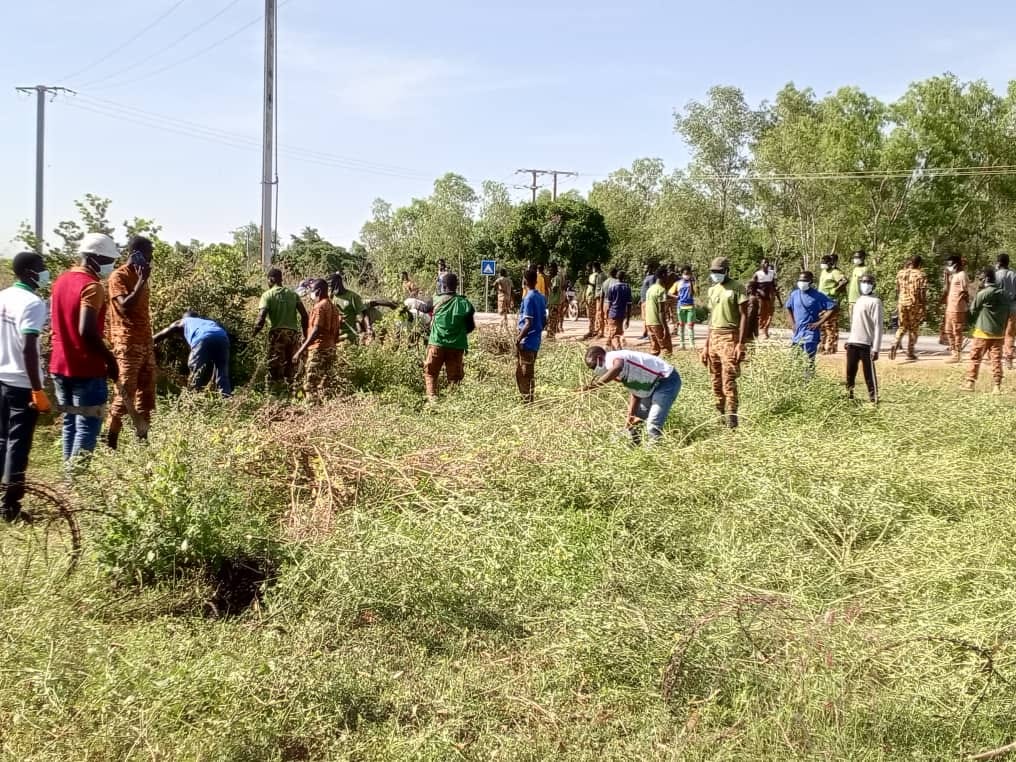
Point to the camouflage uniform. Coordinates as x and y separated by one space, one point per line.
282 345
320 362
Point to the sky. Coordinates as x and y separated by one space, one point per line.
378 99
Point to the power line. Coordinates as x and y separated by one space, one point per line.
242 142
552 172
916 173
137 35
186 35
151 119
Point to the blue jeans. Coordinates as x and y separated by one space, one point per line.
80 432
655 408
211 353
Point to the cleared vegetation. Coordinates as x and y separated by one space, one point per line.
378 580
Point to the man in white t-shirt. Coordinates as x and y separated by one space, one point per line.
652 385
22 318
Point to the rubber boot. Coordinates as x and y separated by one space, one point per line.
732 421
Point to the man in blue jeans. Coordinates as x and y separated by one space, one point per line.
209 350
80 361
653 386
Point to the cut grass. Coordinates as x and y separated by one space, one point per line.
495 582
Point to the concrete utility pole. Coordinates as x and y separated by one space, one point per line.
40 150
267 183
552 172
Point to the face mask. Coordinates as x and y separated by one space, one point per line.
824 266
804 285
717 277
43 278
858 262
867 288
600 370
950 268
106 270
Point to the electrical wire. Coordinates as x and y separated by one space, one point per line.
237 141
102 104
915 173
186 35
136 36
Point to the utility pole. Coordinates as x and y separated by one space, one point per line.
267 184
552 172
40 150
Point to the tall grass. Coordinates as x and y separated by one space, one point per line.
487 581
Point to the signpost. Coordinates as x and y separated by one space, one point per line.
487 268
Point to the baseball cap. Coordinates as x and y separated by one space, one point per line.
719 265
99 244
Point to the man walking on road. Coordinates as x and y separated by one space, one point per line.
957 304
555 302
503 288
911 305
989 312
652 384
728 325
618 310
130 333
833 283
684 292
1006 280
594 299
527 343
22 319
865 339
282 309
80 361
768 295
860 270
656 315
810 311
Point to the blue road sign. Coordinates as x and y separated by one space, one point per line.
488 267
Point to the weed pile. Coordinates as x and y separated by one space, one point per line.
478 579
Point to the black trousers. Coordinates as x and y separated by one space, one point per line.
860 354
17 428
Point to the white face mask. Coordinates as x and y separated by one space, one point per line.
951 268
824 266
600 370
106 270
867 288
43 276
858 261
717 277
804 285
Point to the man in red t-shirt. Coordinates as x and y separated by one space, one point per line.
81 362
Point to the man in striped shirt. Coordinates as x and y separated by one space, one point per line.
652 384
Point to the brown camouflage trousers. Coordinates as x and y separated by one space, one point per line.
955 327
723 369
982 349
282 345
659 340
911 317
829 343
137 382
525 374
318 373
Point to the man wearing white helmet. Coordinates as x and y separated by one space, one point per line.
81 362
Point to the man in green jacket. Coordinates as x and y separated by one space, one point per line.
350 306
450 327
989 313
833 283
860 270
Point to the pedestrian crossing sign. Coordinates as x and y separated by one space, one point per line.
487 267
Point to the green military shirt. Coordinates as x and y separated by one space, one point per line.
656 297
725 300
854 289
449 327
350 305
281 305
827 283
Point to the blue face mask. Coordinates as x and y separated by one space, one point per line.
804 285
717 277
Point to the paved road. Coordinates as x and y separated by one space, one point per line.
927 346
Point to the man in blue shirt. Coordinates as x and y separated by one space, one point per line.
209 350
532 318
618 311
809 309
